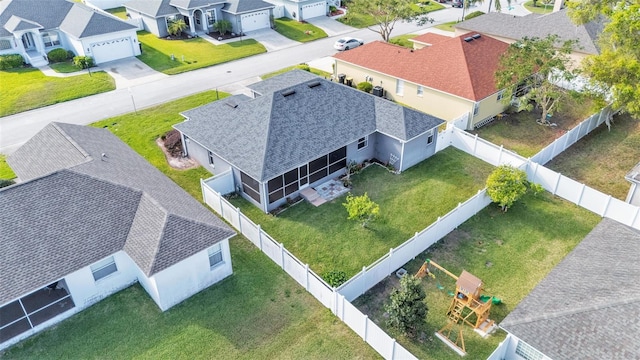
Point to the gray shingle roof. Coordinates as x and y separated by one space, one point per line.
76 19
588 307
273 133
76 207
16 23
152 8
244 6
536 25
191 4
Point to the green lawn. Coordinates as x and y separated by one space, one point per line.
602 158
409 202
511 252
191 54
120 12
30 89
5 170
257 313
403 40
358 20
448 26
298 31
540 8
64 67
281 71
520 133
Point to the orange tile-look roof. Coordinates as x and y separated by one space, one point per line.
430 38
454 66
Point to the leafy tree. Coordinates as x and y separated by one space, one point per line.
387 13
361 208
176 27
223 26
535 64
83 62
407 309
506 184
617 68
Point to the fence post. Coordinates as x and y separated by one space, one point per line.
500 155
475 144
204 198
306 278
364 280
366 325
335 302
606 206
478 201
239 220
635 217
555 189
581 194
415 244
342 308
282 256
220 202
393 349
260 237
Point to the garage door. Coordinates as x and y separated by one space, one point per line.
255 21
111 50
314 10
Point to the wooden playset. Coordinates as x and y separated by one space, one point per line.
468 306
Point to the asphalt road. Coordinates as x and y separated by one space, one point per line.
17 129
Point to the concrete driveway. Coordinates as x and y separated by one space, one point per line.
331 26
271 40
130 72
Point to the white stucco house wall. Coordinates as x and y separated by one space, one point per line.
89 218
32 28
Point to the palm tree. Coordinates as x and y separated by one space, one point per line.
467 3
176 27
498 5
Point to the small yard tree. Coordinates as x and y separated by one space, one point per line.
407 309
223 26
176 27
506 184
387 12
361 208
529 69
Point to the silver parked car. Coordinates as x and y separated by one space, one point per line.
347 43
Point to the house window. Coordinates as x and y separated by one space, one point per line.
420 91
250 186
50 39
211 160
399 87
500 95
430 136
211 17
476 108
5 44
215 255
104 268
527 351
363 142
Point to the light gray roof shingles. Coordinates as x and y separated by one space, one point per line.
142 207
588 307
537 25
273 133
244 6
75 19
152 8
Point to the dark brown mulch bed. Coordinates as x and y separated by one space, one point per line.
182 36
216 35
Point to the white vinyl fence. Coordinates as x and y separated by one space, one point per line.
396 258
572 136
328 296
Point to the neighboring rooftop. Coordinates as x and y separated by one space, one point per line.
588 307
75 19
243 6
288 126
537 25
152 8
456 66
430 38
86 195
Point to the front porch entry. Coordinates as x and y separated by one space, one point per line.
28 42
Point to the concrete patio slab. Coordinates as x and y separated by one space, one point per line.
331 26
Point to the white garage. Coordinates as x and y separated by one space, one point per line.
255 21
110 50
314 10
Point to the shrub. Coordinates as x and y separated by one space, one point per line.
332 8
365 86
5 183
335 278
11 61
70 54
57 55
83 62
473 15
176 27
223 26
361 208
304 67
407 309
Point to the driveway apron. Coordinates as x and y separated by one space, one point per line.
271 39
330 26
131 71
